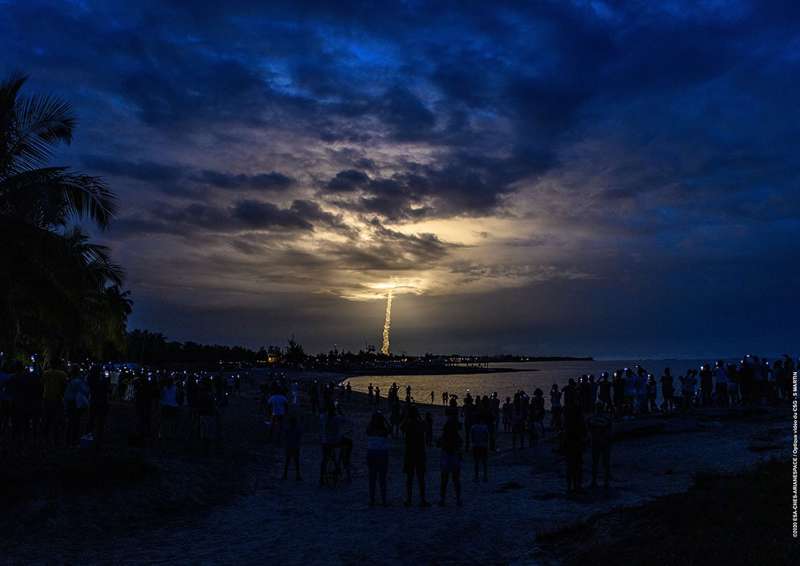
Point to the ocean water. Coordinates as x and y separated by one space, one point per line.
532 375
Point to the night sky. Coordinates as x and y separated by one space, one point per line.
603 178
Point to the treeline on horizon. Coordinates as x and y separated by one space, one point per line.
153 348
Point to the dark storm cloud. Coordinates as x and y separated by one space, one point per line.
265 181
257 214
663 131
347 180
390 250
423 247
172 88
167 176
459 184
189 84
148 171
312 212
406 115
385 250
244 214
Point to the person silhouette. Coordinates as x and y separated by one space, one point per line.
414 456
600 431
574 437
450 444
480 445
508 415
377 455
293 438
668 391
555 407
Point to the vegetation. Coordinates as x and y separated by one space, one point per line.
295 355
153 348
150 348
59 293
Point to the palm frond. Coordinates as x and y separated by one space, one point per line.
51 195
41 122
9 90
89 196
96 259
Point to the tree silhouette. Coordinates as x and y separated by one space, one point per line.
59 293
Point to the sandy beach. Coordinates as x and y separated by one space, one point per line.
256 516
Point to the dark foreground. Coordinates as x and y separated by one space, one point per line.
723 519
174 503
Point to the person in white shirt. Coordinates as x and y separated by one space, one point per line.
377 455
277 403
630 391
76 402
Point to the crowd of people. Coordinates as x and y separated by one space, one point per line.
582 415
68 404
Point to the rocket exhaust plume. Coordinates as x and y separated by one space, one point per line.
387 324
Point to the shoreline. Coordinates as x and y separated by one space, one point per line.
384 372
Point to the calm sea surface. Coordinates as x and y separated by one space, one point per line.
534 374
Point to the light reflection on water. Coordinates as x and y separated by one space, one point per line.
506 384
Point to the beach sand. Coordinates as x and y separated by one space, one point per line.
303 523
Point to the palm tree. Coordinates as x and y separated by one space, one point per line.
56 287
